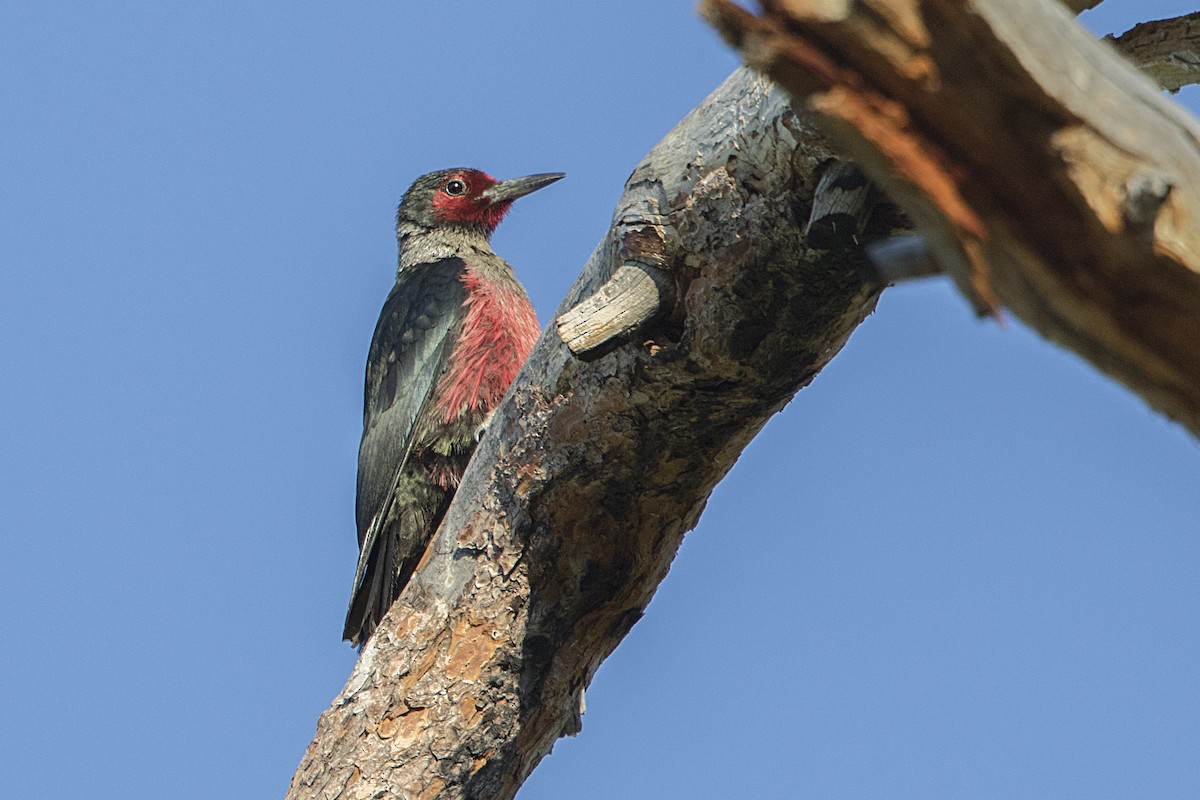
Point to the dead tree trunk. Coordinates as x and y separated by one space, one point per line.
603 454
592 471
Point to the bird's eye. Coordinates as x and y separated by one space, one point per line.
455 187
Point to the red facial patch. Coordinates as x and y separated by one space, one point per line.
470 207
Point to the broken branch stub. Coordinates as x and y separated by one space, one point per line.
901 258
642 287
841 206
627 302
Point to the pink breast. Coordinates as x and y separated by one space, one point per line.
498 332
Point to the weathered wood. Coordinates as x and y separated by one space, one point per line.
591 472
638 291
841 207
634 295
1167 50
1045 174
641 289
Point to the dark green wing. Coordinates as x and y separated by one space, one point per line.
421 319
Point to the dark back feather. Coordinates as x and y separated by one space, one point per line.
420 321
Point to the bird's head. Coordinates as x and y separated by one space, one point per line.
465 198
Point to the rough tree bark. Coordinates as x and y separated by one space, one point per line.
1046 175
591 471
593 468
1167 50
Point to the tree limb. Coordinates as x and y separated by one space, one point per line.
901 258
1004 130
1167 50
591 472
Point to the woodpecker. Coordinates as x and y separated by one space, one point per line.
453 333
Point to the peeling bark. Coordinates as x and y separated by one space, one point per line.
591 472
1045 174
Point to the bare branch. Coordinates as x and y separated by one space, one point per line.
1003 128
1167 50
591 472
626 303
638 291
901 258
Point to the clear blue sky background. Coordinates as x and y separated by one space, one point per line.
960 565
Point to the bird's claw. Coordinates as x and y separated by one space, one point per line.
482 427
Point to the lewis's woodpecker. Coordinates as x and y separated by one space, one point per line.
453 332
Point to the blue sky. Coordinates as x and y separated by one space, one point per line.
960 564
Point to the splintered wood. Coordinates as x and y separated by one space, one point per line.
1046 175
